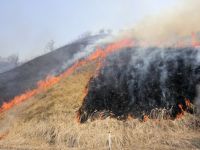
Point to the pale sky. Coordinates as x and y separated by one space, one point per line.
27 25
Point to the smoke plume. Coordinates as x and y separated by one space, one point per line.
177 22
137 80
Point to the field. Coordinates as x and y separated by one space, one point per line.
48 121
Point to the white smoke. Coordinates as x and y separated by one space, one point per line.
179 21
88 50
197 99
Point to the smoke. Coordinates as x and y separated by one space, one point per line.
197 99
137 80
179 21
85 51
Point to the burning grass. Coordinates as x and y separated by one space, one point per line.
48 118
136 81
47 121
100 53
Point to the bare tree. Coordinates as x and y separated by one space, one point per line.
50 46
101 31
85 34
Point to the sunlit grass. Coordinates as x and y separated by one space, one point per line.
48 121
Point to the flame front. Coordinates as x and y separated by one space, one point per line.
195 42
188 105
98 54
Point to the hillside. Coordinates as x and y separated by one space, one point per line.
48 121
26 76
8 63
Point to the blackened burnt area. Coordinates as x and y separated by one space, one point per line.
136 80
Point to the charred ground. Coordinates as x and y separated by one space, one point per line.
47 121
137 80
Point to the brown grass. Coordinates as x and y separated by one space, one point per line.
47 121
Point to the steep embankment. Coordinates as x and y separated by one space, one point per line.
34 120
48 121
26 76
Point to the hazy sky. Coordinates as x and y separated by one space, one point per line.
27 25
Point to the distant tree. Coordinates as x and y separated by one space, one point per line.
102 31
50 46
85 34
13 59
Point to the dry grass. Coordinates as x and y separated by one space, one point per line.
47 121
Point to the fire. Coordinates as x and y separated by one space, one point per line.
181 113
145 118
17 100
180 42
101 115
50 80
195 42
2 136
130 117
187 103
182 110
102 53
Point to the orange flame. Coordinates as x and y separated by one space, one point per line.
50 80
195 42
180 114
180 106
130 117
2 136
187 103
145 118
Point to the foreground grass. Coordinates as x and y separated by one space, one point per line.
47 121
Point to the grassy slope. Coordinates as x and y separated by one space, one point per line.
47 121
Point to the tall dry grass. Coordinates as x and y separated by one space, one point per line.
47 121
